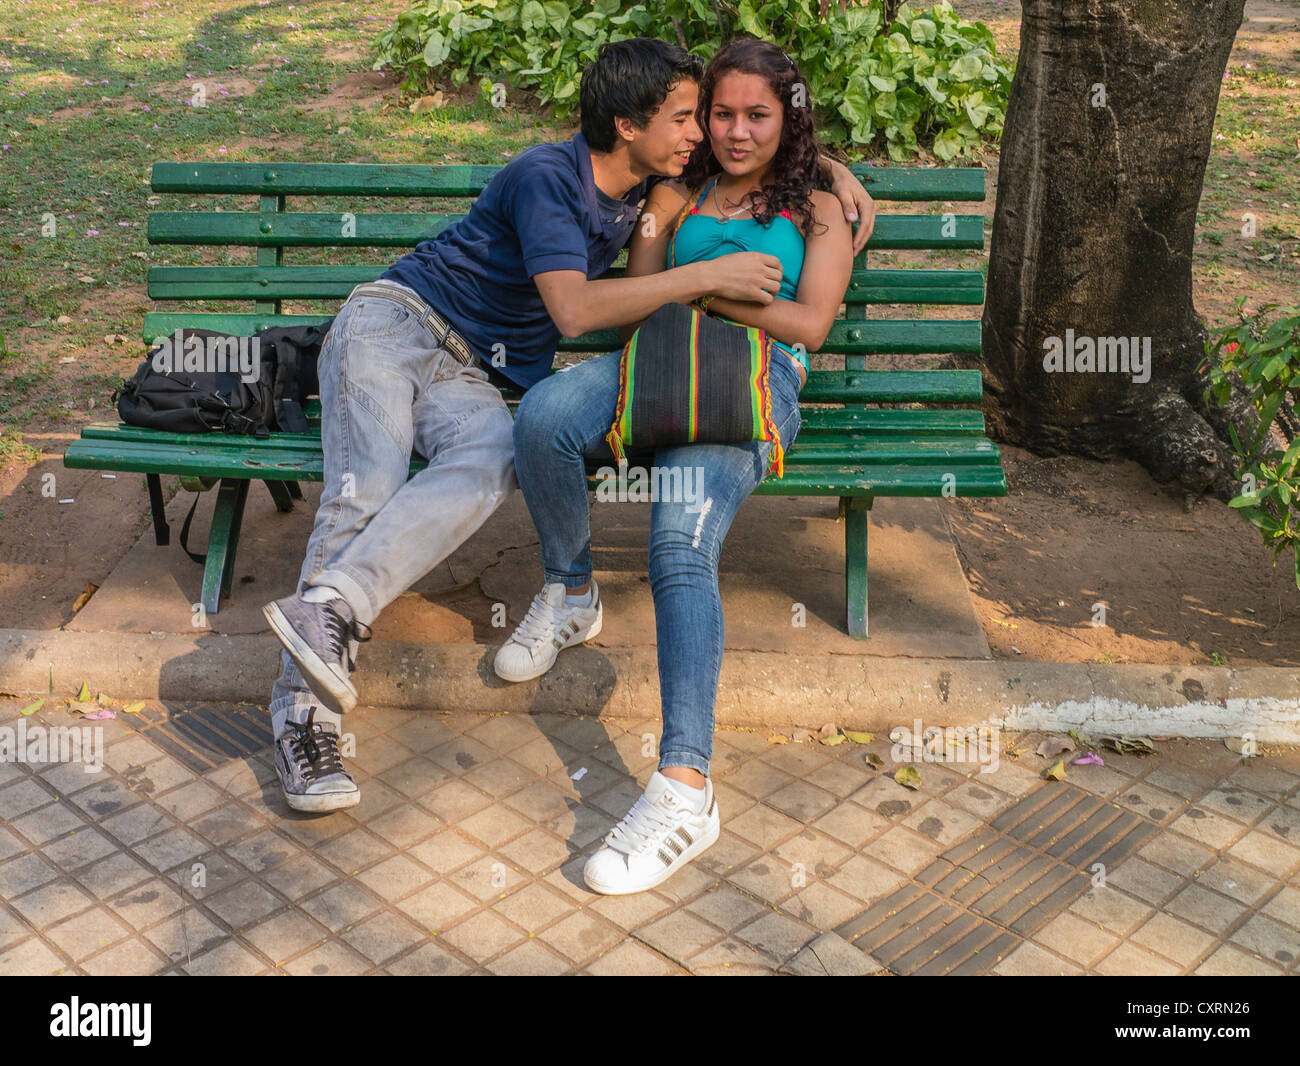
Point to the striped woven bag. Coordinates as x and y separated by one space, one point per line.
687 377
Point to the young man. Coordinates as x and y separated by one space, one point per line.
413 361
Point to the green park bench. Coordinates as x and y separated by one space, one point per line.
864 432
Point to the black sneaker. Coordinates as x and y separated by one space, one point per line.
311 770
318 637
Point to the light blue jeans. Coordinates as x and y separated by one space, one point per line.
387 388
564 420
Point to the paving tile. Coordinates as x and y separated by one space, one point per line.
487 879
230 959
87 933
866 879
52 902
840 777
1237 880
726 908
903 849
819 854
1075 939
1111 909
732 957
47 823
533 907
763 826
581 937
801 801
133 825
494 825
344 904
1100 780
1029 960
185 934
1207 909
330 959
105 797
1151 883
729 853
630 912
1203 825
146 904
1174 939
1285 906
502 777
1271 781
757 778
541 802
1269 939
942 822
821 906
284 936
1281 822
1184 782
298 877
543 756
977 798
679 934
630 959
852 824
886 797
1266 852
20 798
454 800
1231 961
1178 853
1235 802
132 958
446 851
25 873
379 753
1131 960
536 851
395 877
169 849
189 802
768 878
530 959
244 905
383 936
428 960
354 851
434 908
482 936
110 875
31 959
776 934
10 845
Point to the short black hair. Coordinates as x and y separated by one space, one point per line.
630 79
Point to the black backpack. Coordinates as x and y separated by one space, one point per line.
164 395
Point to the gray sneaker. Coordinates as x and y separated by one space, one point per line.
321 639
311 770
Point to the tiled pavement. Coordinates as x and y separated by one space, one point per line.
466 855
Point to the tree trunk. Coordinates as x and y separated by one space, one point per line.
1104 149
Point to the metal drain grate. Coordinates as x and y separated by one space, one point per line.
987 893
204 738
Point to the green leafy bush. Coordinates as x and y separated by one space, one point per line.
928 79
1266 360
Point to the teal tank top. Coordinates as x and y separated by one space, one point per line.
704 237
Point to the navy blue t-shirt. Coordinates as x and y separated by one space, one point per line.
539 213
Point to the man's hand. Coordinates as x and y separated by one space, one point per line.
855 199
753 277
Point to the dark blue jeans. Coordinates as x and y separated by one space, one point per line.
698 489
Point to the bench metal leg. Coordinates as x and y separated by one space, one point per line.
162 533
281 495
295 490
223 540
856 510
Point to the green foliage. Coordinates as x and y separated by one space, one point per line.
1265 358
927 78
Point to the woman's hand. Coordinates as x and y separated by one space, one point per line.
855 200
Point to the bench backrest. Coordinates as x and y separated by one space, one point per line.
273 228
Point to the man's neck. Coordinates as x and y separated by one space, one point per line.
613 173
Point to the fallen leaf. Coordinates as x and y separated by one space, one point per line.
86 278
133 708
834 739
84 695
1056 772
908 777
102 700
84 598
32 708
1240 745
1089 759
802 736
1053 746
859 738
873 760
1129 745
778 738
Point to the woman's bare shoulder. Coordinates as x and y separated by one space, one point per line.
827 209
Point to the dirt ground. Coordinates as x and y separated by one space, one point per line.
1176 586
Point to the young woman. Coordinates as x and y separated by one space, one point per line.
749 187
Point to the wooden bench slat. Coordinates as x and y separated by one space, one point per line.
419 179
872 336
281 229
303 282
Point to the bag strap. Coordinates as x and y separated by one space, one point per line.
672 241
185 534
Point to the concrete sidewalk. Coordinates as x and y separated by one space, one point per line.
466 853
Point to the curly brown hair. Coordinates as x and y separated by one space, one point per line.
796 167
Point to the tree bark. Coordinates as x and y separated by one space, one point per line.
1104 149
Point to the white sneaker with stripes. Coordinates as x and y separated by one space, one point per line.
656 838
550 626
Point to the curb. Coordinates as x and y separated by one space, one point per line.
769 690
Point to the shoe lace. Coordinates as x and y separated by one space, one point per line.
314 749
538 624
340 631
643 827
